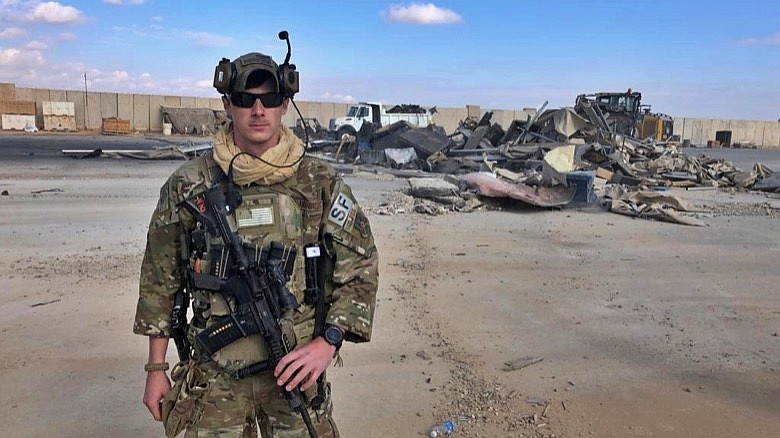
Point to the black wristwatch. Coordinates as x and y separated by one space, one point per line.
333 336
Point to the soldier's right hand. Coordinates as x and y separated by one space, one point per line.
157 385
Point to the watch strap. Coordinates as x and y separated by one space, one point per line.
330 327
161 366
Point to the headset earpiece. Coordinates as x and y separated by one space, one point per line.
288 80
224 75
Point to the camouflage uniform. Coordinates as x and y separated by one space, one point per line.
205 397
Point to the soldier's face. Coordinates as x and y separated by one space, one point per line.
256 129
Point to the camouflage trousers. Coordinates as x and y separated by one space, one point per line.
220 406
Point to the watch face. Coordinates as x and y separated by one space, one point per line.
333 335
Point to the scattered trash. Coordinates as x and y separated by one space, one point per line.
423 355
486 184
444 429
57 190
538 401
43 303
653 205
165 153
521 362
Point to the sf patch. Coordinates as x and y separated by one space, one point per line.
340 210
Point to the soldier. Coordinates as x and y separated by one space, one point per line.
285 197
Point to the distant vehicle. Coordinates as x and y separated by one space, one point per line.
626 115
375 113
315 130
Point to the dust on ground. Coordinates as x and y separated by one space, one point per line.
644 328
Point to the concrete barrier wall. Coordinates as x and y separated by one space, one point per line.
771 136
125 108
141 110
448 118
145 114
109 105
94 121
765 135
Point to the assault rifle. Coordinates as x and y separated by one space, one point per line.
258 308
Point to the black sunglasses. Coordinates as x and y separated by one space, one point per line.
243 99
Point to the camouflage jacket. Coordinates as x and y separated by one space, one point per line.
316 187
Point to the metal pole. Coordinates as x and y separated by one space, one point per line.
86 102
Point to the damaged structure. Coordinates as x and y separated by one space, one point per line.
553 159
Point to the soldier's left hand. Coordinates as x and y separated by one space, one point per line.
304 365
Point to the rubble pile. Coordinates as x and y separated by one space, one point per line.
550 160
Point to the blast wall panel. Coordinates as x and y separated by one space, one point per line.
125 107
140 112
109 104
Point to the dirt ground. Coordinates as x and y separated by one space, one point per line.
643 328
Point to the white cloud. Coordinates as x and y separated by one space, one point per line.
419 13
55 13
205 39
21 58
771 40
157 18
119 75
30 69
12 33
205 83
119 81
328 96
67 36
35 45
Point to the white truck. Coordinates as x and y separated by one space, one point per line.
375 113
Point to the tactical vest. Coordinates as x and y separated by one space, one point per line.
278 213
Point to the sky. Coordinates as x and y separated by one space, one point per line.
698 58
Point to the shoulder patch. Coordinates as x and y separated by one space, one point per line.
340 210
362 225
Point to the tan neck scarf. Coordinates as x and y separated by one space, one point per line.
248 169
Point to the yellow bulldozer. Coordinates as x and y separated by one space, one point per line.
626 115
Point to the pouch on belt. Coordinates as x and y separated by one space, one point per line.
180 407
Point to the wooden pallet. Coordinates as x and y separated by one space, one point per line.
115 126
